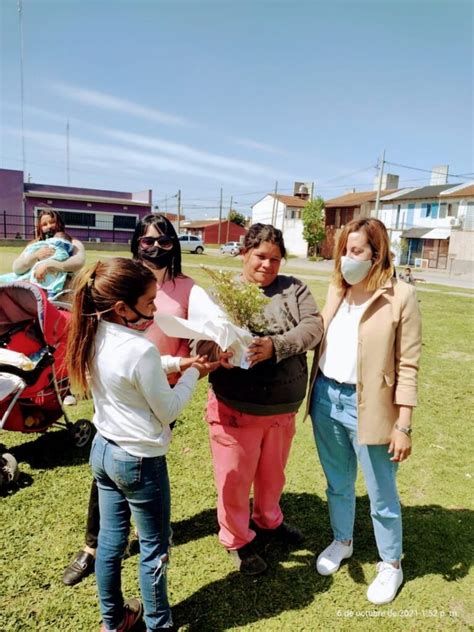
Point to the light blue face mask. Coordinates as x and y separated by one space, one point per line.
354 270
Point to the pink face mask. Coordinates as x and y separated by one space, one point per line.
141 324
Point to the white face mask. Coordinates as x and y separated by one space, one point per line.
354 270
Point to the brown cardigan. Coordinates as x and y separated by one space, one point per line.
387 359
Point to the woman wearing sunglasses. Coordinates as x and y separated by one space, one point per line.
156 244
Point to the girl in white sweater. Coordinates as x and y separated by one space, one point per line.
134 405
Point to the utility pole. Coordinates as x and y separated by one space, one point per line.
178 222
68 178
274 203
22 99
379 188
220 220
228 218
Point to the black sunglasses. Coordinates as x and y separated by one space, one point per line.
162 241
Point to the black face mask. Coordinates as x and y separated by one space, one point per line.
157 257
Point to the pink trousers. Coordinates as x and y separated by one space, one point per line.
252 451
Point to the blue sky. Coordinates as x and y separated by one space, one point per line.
197 95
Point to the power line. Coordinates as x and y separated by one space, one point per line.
442 173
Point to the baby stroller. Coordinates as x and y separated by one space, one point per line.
33 378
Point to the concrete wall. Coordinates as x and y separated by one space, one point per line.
461 252
11 203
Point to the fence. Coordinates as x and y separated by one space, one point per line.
115 229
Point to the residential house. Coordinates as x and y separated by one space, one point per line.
344 208
285 212
420 221
461 243
208 230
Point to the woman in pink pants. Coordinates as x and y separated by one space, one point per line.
251 413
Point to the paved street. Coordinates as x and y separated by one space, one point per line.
321 269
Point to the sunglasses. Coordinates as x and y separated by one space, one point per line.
162 241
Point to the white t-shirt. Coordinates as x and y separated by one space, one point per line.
339 358
133 401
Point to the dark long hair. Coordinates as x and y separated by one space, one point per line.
97 289
60 226
163 225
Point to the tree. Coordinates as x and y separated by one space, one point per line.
237 218
314 228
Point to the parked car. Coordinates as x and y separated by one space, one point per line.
232 248
191 243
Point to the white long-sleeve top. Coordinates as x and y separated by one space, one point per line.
339 358
133 401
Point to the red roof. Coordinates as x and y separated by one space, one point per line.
291 200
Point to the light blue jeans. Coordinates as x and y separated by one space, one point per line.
129 484
334 415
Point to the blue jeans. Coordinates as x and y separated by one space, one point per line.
334 415
140 486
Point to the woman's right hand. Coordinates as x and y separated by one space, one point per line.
44 253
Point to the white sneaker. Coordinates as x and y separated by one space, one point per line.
385 586
330 559
69 400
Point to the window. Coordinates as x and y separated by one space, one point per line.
194 238
125 221
453 210
184 238
397 221
76 218
426 210
442 210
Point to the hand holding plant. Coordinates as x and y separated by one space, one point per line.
244 303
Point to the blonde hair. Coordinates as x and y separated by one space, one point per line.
377 236
96 291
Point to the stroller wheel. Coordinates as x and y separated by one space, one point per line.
9 470
81 432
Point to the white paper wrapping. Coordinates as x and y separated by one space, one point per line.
207 321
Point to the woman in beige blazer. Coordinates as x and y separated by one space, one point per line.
363 390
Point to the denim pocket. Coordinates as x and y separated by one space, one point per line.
127 470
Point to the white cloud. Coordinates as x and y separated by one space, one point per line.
190 153
110 102
183 151
122 159
253 144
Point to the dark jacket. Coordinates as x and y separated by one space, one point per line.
277 385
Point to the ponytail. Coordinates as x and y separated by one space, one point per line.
82 331
96 291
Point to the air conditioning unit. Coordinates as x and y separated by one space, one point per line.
421 263
455 222
94 240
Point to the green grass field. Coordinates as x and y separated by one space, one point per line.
43 520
